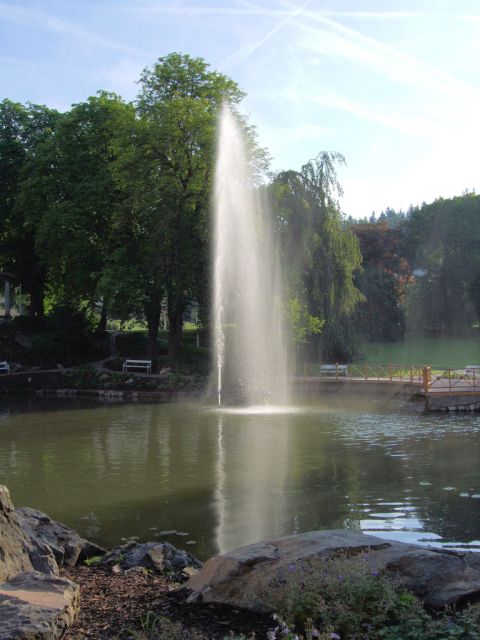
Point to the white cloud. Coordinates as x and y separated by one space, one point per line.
34 18
121 77
246 51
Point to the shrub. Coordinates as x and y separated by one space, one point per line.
68 338
29 325
342 597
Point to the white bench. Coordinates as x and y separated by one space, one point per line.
137 364
473 370
4 367
333 370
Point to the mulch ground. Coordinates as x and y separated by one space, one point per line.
113 606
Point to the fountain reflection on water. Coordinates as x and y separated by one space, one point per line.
250 351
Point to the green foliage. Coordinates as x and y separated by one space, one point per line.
108 206
24 132
380 317
320 276
165 170
74 219
67 338
382 280
303 324
443 242
92 561
344 597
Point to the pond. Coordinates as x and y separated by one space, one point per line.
115 471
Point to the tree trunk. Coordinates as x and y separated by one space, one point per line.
175 327
36 302
102 324
153 322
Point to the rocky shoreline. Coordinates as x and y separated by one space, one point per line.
55 584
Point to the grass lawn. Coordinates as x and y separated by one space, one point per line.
436 352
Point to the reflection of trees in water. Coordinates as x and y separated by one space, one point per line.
135 467
131 466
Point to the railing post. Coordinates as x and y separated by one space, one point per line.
426 379
449 380
390 372
411 373
336 371
366 371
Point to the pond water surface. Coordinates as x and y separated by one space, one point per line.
114 471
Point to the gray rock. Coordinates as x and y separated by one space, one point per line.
438 577
14 545
47 535
156 556
34 606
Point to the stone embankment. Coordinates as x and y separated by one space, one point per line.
458 403
35 602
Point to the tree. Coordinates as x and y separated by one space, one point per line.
166 170
382 280
321 253
24 130
443 245
73 171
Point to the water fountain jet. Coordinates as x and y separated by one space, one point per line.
250 353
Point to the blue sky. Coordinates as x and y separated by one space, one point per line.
394 85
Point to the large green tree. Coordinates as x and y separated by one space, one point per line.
24 130
166 169
382 280
319 253
69 195
443 245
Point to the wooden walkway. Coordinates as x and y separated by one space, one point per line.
428 381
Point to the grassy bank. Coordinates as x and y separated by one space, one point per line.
436 352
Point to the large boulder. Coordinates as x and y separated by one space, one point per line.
67 547
161 557
438 577
34 606
14 545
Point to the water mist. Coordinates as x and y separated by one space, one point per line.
250 354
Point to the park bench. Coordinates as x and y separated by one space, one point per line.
333 369
4 367
137 364
473 370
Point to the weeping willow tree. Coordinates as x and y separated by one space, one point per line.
320 255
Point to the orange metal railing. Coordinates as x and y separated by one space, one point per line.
432 380
365 371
